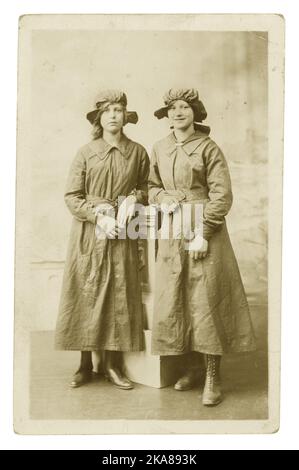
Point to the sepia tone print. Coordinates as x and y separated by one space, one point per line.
119 327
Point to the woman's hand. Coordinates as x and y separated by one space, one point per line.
169 204
126 210
107 225
198 247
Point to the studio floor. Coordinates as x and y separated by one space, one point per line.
244 379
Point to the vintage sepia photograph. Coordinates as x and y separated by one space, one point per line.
148 224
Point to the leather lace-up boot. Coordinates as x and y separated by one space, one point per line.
212 390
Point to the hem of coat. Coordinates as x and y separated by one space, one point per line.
107 347
205 350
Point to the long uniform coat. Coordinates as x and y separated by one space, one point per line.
200 305
100 306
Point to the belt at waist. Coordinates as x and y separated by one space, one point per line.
188 195
100 200
102 205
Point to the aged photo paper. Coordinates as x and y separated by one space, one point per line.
105 329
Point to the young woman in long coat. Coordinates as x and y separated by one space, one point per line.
200 304
100 307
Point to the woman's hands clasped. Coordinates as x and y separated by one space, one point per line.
109 226
169 204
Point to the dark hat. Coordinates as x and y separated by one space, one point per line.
111 96
190 95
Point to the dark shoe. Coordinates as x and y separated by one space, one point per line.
118 379
113 367
81 377
187 381
212 390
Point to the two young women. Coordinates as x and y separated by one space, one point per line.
200 304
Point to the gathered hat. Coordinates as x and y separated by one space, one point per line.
108 97
190 95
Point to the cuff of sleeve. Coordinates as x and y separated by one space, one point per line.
92 218
207 232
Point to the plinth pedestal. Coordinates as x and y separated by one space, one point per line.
154 371
143 367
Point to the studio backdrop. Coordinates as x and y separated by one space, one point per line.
229 69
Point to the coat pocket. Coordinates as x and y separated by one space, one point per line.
88 280
93 272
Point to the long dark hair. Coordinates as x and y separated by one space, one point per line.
97 130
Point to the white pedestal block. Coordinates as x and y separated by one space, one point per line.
142 367
154 371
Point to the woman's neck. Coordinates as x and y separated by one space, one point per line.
183 134
112 139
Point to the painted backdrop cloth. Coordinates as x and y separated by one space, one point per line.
100 306
199 305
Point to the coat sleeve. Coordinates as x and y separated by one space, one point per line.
155 185
75 192
219 190
142 181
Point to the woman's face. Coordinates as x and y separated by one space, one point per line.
180 115
112 118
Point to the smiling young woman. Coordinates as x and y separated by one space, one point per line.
200 304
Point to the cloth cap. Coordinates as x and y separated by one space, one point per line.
108 97
190 95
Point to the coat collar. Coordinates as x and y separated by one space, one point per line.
189 145
101 148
